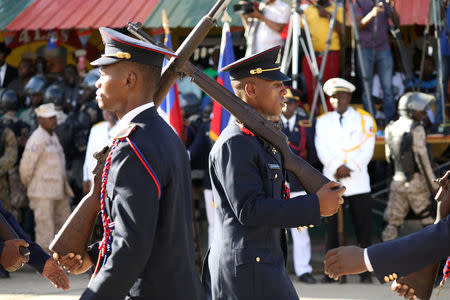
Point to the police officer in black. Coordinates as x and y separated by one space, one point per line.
248 253
147 251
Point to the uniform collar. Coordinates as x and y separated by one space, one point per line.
129 116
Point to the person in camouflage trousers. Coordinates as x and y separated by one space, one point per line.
8 158
413 181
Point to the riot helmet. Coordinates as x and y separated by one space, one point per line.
54 94
8 100
36 85
89 81
414 101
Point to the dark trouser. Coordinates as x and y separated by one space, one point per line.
360 208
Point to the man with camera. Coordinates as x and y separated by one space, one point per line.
373 23
263 23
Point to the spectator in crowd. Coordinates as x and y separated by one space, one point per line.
70 85
9 103
55 94
428 83
199 153
11 259
7 73
301 141
42 171
445 51
264 24
8 158
34 90
25 71
345 141
413 180
101 135
318 17
373 24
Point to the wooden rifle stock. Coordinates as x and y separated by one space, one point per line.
422 281
76 232
171 71
311 179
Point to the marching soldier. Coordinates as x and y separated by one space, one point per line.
301 141
406 149
248 253
147 245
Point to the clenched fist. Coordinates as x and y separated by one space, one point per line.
11 258
330 197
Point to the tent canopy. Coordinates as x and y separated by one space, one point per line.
67 14
18 15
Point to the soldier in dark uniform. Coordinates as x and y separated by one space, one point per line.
300 133
147 250
12 260
248 254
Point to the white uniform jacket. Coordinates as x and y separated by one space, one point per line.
351 143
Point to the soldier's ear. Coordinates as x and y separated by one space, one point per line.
250 89
131 79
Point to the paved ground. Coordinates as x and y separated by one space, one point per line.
27 285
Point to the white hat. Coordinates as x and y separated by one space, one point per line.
334 85
46 110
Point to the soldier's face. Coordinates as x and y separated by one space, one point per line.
269 97
49 124
341 101
111 88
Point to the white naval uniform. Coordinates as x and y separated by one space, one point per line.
351 144
100 136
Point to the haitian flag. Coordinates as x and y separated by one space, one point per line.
53 40
170 107
220 116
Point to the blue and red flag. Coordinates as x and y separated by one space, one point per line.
220 116
170 107
53 40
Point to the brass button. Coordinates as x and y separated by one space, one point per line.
258 259
276 176
274 151
386 279
391 277
395 276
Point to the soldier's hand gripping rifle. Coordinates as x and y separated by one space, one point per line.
7 233
423 280
75 234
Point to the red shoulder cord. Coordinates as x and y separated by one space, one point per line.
301 148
